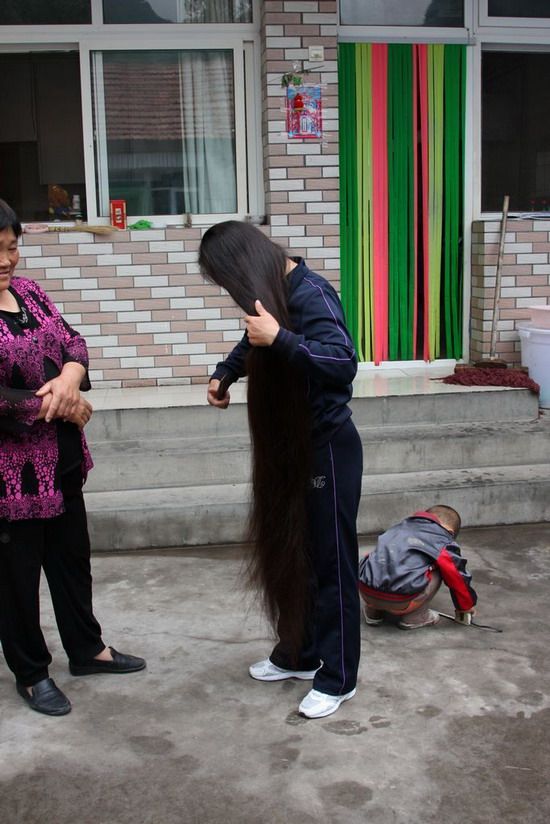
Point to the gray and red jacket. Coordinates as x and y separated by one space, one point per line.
405 555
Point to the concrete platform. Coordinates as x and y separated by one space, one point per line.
450 725
172 471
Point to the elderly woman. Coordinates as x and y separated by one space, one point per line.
44 461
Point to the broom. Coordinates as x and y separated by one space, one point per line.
43 228
84 227
493 371
493 362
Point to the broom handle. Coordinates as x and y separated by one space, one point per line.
496 304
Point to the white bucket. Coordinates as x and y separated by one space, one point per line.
535 355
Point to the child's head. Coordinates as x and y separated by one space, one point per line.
447 516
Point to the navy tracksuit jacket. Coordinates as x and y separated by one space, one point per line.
320 345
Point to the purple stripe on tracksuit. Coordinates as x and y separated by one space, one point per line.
333 632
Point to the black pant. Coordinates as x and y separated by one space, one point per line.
61 547
333 632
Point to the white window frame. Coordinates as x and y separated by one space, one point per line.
409 34
242 39
524 24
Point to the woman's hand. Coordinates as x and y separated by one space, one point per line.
81 414
262 329
212 398
65 392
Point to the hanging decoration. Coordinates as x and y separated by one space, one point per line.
304 112
401 183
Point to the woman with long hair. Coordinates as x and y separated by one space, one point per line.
307 458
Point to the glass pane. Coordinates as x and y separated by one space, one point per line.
398 13
515 134
41 145
177 11
519 8
39 12
165 131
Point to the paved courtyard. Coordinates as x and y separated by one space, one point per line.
450 725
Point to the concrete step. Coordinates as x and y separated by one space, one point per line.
186 461
216 514
444 405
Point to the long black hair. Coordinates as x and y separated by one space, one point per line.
241 259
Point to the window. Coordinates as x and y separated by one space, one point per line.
41 147
177 11
166 117
515 133
165 131
519 8
41 13
397 13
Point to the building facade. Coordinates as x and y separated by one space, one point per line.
179 108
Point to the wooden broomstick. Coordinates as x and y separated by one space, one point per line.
492 360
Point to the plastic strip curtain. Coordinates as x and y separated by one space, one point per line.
402 154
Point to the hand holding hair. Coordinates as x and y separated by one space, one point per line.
262 329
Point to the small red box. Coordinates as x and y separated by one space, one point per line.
118 214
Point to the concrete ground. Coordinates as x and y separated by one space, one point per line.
450 725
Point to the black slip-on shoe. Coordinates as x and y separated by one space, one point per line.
45 697
120 664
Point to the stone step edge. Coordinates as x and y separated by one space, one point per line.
377 433
186 517
231 494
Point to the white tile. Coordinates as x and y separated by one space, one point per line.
133 317
134 270
190 349
114 260
42 262
119 351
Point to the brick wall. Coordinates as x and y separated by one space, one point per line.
301 177
525 282
138 297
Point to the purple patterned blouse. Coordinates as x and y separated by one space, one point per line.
29 446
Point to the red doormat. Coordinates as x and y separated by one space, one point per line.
478 376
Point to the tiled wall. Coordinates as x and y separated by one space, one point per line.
138 297
525 282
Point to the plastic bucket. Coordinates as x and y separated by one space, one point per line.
535 355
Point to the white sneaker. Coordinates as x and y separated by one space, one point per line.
318 704
266 671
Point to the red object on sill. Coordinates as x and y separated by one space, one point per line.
118 214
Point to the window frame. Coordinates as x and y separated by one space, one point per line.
527 25
408 34
243 39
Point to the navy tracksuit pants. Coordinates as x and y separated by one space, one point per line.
332 635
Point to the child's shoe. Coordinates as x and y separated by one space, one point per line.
373 617
427 618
